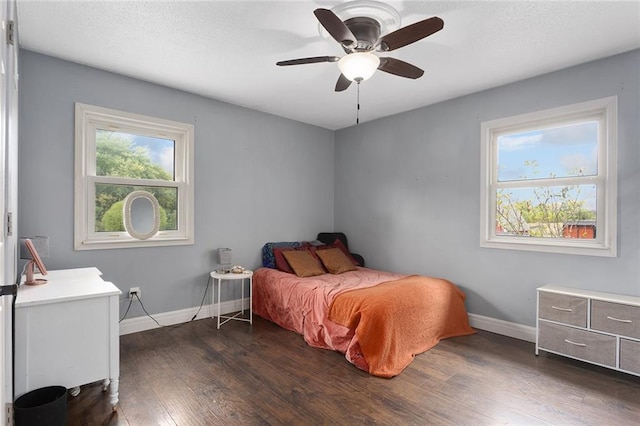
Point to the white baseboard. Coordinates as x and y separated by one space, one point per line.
505 328
134 325
143 323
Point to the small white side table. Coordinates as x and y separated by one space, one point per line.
246 275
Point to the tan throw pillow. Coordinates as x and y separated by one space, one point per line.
303 263
335 261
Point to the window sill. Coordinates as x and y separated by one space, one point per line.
540 245
119 243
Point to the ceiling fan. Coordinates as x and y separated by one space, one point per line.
359 37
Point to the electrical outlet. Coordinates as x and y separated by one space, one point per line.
135 291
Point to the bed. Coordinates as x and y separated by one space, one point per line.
379 320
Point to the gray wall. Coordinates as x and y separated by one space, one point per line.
258 178
407 192
406 189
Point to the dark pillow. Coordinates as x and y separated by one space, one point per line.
303 263
280 262
335 261
339 245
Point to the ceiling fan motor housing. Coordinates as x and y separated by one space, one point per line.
359 36
366 30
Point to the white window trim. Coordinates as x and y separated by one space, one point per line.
87 119
605 244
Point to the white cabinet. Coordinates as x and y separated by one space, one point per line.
66 332
601 328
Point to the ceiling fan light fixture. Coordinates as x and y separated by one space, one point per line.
359 66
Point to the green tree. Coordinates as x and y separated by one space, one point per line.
116 155
546 214
510 214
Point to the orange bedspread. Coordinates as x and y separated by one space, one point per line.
396 320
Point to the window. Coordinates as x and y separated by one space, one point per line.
549 180
118 153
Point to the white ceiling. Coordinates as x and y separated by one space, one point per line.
227 50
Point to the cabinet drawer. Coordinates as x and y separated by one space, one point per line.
630 355
570 310
615 318
586 345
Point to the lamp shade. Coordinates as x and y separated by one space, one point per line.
224 256
358 66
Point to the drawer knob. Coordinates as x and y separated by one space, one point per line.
574 343
619 320
562 309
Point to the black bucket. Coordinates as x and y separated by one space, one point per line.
44 406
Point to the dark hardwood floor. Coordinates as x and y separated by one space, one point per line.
194 374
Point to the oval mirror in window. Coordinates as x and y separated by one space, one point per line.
141 215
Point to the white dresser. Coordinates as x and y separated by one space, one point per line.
596 327
66 332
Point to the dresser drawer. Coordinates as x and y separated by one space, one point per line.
586 345
570 310
630 355
615 318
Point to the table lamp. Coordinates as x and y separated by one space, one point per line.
224 259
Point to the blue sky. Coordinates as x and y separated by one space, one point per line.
560 151
160 151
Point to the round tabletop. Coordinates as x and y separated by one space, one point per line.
231 275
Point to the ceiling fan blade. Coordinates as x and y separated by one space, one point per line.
410 34
311 60
400 68
343 83
334 26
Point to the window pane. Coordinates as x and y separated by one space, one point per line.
547 212
134 156
110 200
554 152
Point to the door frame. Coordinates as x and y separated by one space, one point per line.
8 196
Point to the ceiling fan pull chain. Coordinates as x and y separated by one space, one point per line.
358 105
